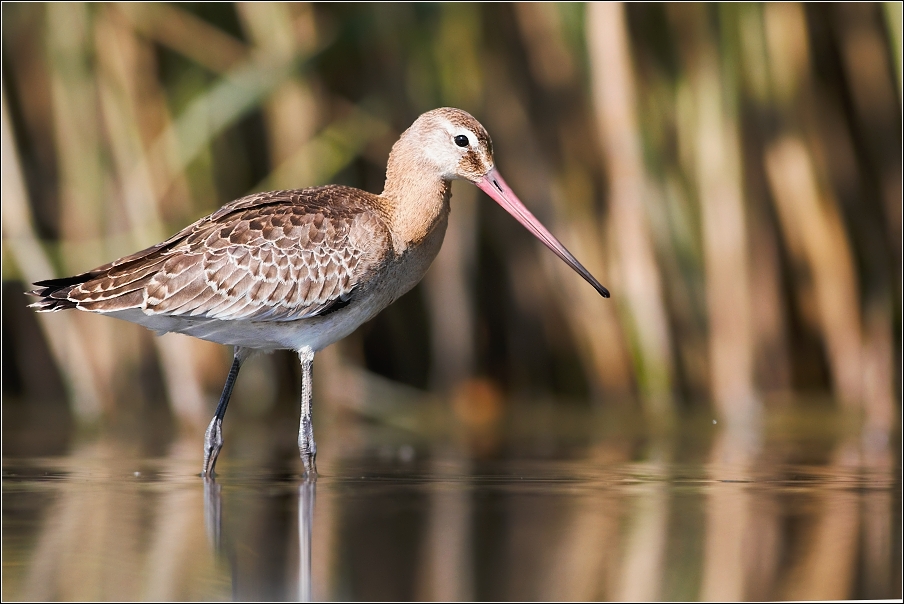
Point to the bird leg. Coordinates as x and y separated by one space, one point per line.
306 445
213 438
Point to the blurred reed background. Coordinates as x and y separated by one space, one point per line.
731 172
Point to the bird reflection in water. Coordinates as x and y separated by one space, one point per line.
213 519
213 508
307 493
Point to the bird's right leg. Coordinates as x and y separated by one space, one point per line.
306 445
213 438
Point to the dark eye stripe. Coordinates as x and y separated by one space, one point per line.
471 162
462 141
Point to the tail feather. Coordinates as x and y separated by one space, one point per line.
51 305
54 293
64 281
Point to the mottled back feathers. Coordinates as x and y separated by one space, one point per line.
276 256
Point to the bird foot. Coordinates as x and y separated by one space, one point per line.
213 442
310 466
307 447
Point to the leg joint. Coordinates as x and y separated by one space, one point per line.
306 355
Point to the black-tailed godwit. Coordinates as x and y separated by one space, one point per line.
301 269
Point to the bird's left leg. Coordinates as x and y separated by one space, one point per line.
213 438
306 445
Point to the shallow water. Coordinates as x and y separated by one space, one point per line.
782 513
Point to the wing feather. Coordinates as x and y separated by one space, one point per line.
277 256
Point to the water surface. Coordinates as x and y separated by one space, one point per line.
804 508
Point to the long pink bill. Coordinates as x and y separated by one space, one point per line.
493 185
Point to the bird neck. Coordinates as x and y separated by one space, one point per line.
415 198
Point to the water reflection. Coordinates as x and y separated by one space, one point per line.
213 510
780 516
307 492
213 518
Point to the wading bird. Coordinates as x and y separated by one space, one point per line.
301 269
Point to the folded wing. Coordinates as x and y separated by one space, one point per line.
277 256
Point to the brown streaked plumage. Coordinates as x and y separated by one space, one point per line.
280 256
301 269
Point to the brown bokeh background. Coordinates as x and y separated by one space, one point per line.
731 172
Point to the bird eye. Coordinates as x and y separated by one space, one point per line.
462 141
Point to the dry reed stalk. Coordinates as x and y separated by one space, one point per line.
865 58
82 186
449 294
120 112
769 321
118 72
593 324
725 248
449 284
21 242
218 108
714 160
815 233
181 198
186 34
638 273
327 153
879 379
551 62
284 32
858 349
893 13
148 99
